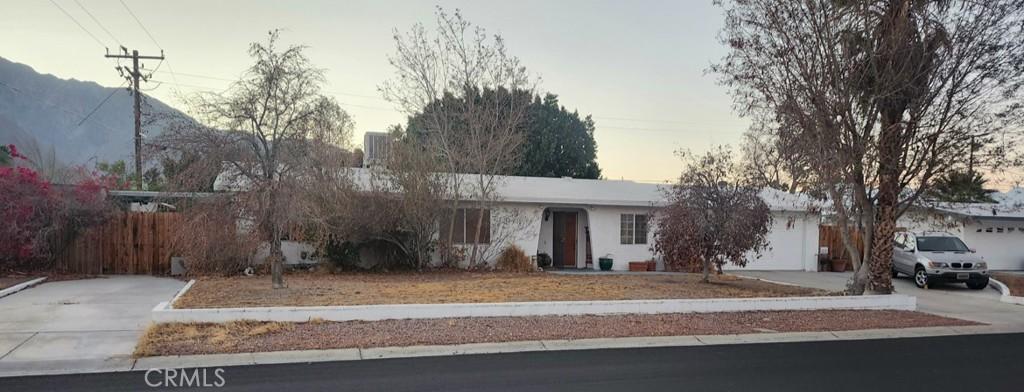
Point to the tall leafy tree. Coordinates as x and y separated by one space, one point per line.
555 142
558 143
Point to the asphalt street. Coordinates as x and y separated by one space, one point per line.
950 363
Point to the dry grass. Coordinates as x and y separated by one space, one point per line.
217 337
1013 281
186 339
469 287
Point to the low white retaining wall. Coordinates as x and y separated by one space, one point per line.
164 313
1005 293
21 286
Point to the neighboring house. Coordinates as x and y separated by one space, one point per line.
994 230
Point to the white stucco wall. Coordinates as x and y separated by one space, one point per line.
604 236
792 245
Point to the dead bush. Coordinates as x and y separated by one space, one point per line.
211 241
513 259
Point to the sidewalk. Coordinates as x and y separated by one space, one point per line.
357 354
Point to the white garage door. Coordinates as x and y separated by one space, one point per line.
1001 243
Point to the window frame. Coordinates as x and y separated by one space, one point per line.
462 225
628 233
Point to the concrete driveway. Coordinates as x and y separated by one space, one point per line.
951 300
78 325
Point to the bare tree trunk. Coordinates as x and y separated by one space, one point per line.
707 269
276 260
276 256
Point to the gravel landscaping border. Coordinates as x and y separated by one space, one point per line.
247 336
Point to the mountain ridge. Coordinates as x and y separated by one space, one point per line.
43 111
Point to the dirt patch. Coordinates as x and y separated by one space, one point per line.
10 281
469 287
1013 281
185 339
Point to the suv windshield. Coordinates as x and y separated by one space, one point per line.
941 244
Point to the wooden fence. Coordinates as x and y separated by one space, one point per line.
130 243
830 237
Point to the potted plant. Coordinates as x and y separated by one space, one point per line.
605 263
543 260
838 265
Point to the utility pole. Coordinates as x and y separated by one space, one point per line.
134 76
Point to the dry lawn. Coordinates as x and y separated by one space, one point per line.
238 337
306 289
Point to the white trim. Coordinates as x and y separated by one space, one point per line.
1005 291
20 286
164 313
170 305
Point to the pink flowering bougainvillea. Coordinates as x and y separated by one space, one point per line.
33 211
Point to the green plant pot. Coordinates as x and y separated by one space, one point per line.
605 263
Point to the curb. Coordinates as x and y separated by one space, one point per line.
162 313
363 354
20 286
770 281
1005 291
181 292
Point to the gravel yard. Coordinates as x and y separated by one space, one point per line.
309 289
247 336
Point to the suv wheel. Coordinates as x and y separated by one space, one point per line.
895 273
920 277
977 284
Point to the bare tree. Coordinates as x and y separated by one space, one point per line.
472 97
882 95
267 135
769 161
712 216
397 203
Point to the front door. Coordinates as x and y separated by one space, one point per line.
564 244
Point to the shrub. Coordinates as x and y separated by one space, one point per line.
38 218
513 259
543 260
210 240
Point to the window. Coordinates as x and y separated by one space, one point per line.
633 229
463 229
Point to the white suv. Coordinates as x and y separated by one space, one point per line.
936 257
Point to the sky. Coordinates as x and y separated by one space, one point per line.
638 67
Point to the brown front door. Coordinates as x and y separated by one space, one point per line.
564 233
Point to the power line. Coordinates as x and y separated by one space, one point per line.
79 24
101 104
140 24
212 90
98 23
150 35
